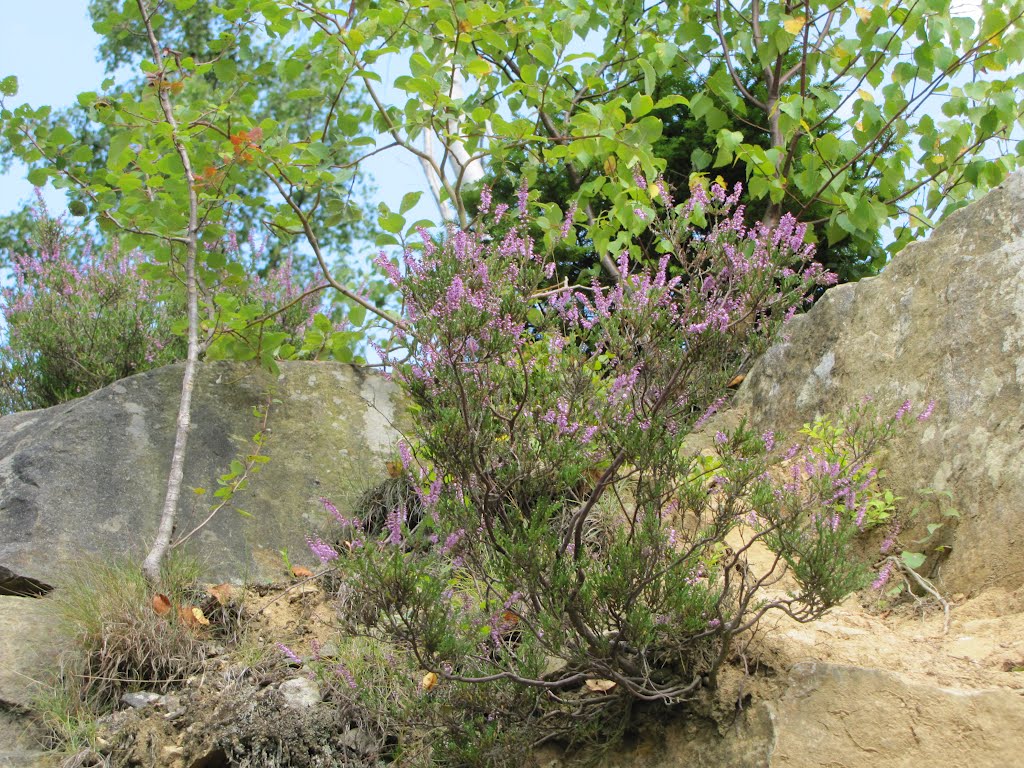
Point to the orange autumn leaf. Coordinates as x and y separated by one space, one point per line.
735 381
301 572
509 620
161 604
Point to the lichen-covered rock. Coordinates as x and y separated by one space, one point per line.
943 321
89 476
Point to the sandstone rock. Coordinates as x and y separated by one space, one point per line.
300 693
18 746
141 699
89 476
829 715
944 320
25 656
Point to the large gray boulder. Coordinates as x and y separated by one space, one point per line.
944 320
89 476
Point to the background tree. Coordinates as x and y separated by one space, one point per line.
192 30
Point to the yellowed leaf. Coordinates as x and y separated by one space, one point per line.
794 25
864 14
192 617
301 572
429 681
610 164
394 469
600 686
161 604
866 95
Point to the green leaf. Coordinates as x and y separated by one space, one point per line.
38 177
391 222
408 201
9 86
641 104
357 315
913 560
650 77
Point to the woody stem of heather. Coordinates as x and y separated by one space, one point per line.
154 559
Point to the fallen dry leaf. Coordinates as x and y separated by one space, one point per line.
192 617
394 469
161 604
429 681
600 686
301 572
222 592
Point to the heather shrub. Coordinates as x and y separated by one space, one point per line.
568 556
78 318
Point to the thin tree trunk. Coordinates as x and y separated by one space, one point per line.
154 559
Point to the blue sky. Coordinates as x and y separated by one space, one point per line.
50 46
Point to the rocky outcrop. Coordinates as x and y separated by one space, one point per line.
88 476
943 321
828 715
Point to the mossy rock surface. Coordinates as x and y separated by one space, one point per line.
88 477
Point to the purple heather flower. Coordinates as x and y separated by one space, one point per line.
523 198
567 221
324 551
333 510
405 453
292 655
883 576
927 412
342 671
394 526
902 410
